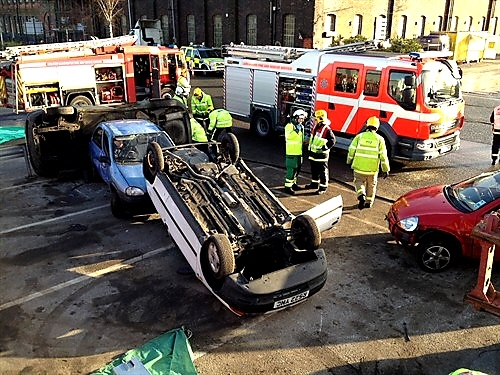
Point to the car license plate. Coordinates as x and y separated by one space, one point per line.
290 300
445 149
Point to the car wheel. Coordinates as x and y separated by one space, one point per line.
262 125
230 146
305 233
80 101
436 253
217 259
34 142
167 93
118 208
153 162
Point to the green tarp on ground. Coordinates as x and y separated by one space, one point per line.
9 133
168 354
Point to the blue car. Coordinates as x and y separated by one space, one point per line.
116 151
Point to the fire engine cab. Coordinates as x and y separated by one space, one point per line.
417 97
95 72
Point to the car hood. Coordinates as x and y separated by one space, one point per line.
423 202
214 60
133 175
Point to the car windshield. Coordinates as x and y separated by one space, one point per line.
209 54
439 85
476 192
132 148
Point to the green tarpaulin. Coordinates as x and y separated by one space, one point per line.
9 133
168 354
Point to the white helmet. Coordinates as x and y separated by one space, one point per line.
179 91
300 113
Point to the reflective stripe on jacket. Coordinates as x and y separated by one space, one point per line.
197 131
294 137
219 118
322 139
367 152
201 106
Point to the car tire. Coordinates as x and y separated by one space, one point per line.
262 125
436 253
217 259
80 101
167 93
40 166
153 162
118 208
305 233
230 146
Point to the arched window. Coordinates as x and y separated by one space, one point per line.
357 25
191 30
438 23
380 28
217 30
423 19
454 24
289 30
251 30
468 23
403 21
483 24
331 22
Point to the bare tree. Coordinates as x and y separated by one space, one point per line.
111 9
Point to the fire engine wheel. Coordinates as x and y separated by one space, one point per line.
305 233
80 101
153 162
262 125
230 146
40 166
217 259
437 252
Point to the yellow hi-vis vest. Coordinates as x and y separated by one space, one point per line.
201 106
197 132
367 152
294 139
219 118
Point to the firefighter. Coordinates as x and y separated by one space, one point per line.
184 81
220 120
201 105
294 140
197 131
367 153
180 95
321 141
495 146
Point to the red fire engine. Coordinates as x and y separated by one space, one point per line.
417 97
97 72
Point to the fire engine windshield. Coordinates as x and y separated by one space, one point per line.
439 84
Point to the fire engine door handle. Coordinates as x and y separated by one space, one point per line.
331 106
383 114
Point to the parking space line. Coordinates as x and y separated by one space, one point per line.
90 276
42 222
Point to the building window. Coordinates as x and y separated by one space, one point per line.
468 23
289 30
439 23
331 21
380 27
403 23
165 27
252 29
454 24
357 25
422 25
494 25
217 30
483 24
191 30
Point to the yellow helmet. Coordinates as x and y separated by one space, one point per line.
373 122
320 115
197 92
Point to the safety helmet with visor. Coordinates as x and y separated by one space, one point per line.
300 113
197 92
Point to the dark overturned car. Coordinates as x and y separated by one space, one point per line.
58 137
252 253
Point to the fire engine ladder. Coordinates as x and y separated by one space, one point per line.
288 54
12 52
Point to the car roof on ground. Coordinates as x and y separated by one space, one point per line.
131 126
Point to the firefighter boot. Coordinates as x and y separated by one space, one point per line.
312 185
321 190
296 187
362 200
289 191
493 161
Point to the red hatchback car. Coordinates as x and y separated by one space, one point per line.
437 221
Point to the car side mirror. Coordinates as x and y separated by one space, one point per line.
104 159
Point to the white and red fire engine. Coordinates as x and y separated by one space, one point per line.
417 97
96 72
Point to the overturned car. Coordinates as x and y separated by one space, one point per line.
239 239
58 137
